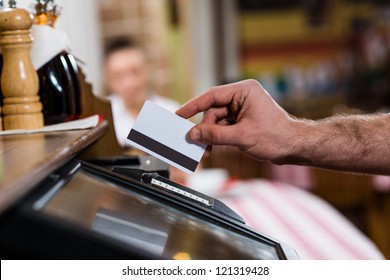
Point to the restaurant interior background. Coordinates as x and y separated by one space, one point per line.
315 57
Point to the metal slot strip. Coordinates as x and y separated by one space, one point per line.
180 191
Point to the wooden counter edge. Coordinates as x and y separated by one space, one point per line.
18 188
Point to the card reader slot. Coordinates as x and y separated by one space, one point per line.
155 180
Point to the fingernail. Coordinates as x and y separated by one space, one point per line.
195 134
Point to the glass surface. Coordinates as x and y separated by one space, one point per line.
147 224
59 89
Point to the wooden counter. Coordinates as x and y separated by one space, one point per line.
27 159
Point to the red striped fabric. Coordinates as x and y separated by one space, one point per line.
301 176
307 223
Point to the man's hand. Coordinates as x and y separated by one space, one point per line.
244 115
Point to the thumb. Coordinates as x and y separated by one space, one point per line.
213 134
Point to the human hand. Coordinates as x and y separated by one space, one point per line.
243 115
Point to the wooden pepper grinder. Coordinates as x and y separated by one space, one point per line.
19 80
1 121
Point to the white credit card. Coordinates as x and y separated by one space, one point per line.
163 134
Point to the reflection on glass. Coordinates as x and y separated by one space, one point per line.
143 236
149 225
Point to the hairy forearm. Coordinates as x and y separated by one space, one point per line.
348 143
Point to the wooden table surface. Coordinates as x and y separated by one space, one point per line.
27 159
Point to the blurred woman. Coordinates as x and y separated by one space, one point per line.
127 77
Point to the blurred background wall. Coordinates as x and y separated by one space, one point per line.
315 57
325 53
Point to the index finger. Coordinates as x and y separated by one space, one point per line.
214 97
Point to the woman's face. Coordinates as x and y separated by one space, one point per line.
126 73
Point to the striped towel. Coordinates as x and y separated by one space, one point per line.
304 221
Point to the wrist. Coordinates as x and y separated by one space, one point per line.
291 147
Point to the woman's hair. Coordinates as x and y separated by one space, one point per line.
119 44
